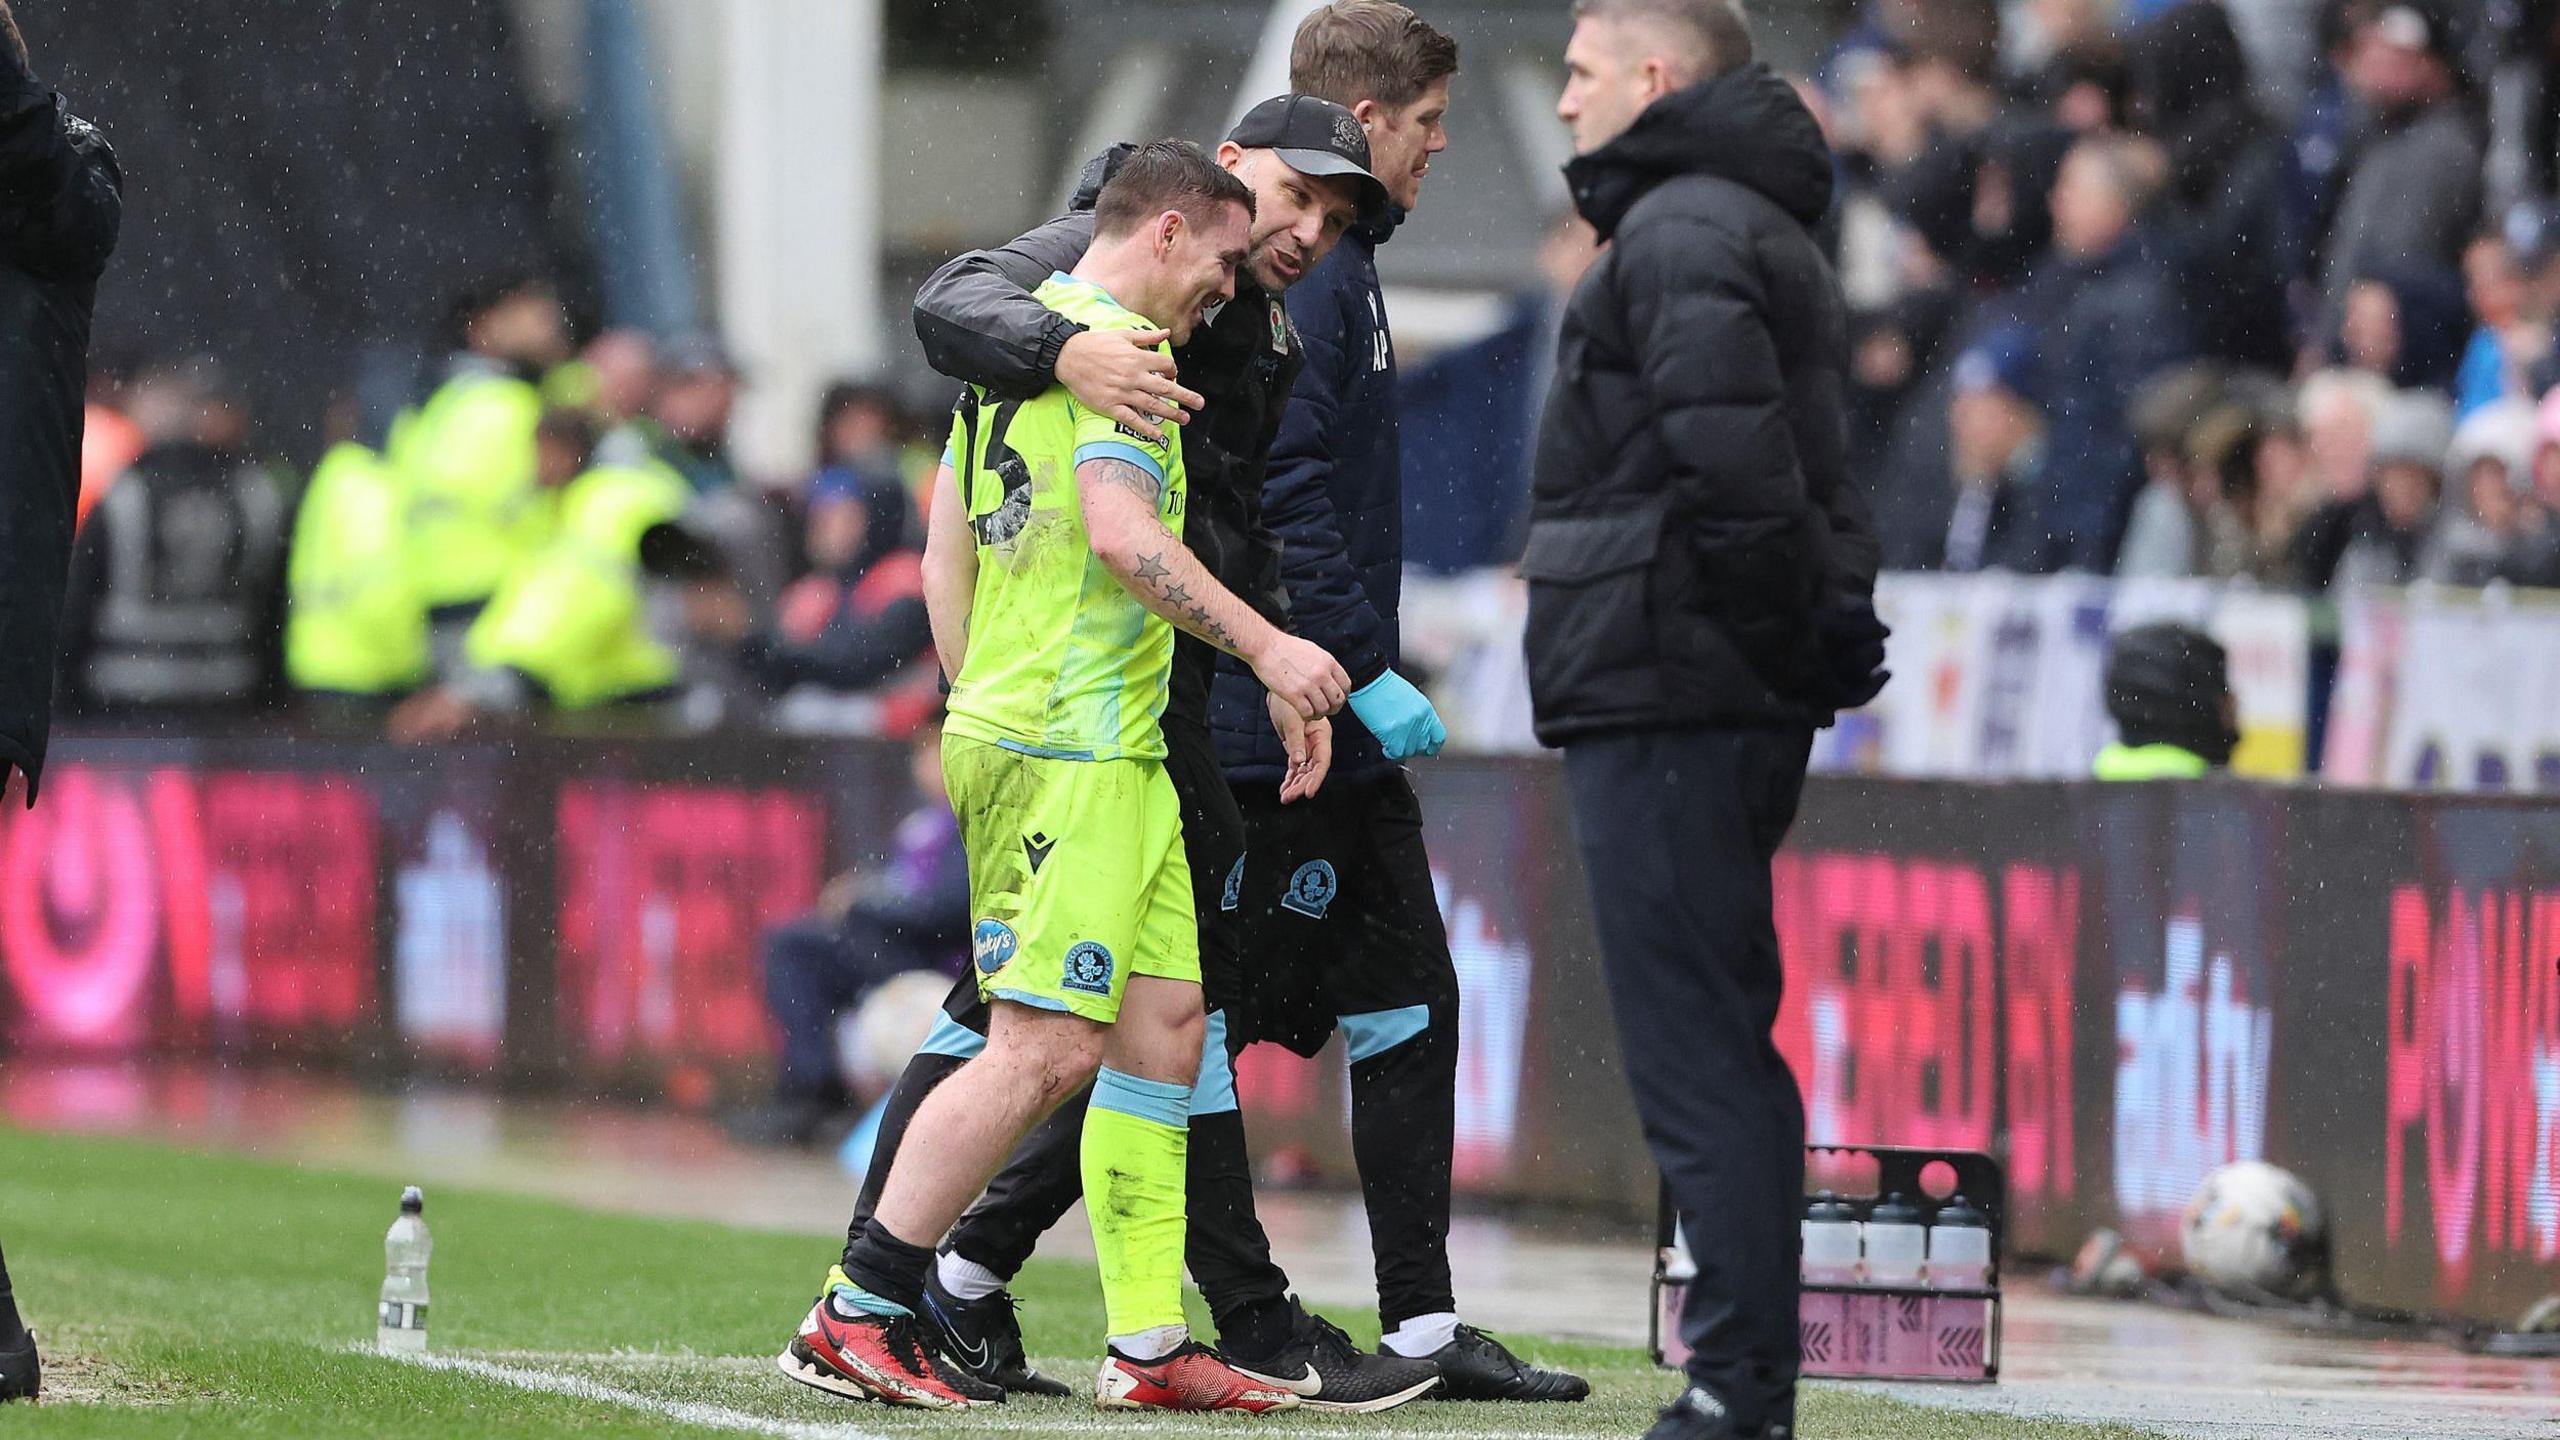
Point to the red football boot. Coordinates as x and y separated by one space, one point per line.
1191 1378
878 1357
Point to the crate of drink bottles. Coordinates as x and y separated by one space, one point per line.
1900 1266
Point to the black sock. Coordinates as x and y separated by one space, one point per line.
13 1331
923 1073
888 1266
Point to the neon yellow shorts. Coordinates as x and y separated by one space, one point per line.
1077 877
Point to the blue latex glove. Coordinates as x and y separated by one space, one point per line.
1400 716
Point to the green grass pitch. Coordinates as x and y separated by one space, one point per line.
184 1294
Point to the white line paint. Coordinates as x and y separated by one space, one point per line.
685 1412
720 1417
1262 1425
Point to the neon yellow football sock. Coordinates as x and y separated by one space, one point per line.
1137 1141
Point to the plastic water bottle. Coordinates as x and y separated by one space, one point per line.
1898 1325
1831 1241
1959 1325
1960 1248
402 1323
1830 1339
1897 1243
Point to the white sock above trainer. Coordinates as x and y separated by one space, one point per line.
1423 1334
1152 1344
966 1279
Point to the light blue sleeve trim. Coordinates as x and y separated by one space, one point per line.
1120 450
950 1037
1216 1092
949 461
1379 1031
1159 1102
1037 1002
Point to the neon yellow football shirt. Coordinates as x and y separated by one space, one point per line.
1063 662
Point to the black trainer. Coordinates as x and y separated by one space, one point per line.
20 1374
984 1337
1696 1415
1475 1366
1320 1365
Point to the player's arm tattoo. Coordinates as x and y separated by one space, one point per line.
1133 478
1153 574
1157 567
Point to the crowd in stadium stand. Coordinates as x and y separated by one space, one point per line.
2155 300
2154 305
542 531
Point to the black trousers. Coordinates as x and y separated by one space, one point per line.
1226 1250
1677 829
1344 931
13 1329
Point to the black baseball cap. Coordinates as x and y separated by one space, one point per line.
1316 137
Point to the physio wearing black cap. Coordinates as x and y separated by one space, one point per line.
1316 137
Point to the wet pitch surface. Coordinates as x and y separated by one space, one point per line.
2166 1371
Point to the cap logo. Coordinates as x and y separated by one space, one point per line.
1347 132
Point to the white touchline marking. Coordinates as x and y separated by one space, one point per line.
684 1412
721 1417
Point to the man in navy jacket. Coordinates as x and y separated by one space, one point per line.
1342 928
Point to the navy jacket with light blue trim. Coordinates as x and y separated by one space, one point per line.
1334 494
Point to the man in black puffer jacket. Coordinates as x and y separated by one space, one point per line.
1700 580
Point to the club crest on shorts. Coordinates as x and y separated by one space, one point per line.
992 944
1233 896
1088 969
1311 890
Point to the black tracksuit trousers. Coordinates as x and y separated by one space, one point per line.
1677 831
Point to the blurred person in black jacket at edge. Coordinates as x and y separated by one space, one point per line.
1700 601
61 203
175 610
